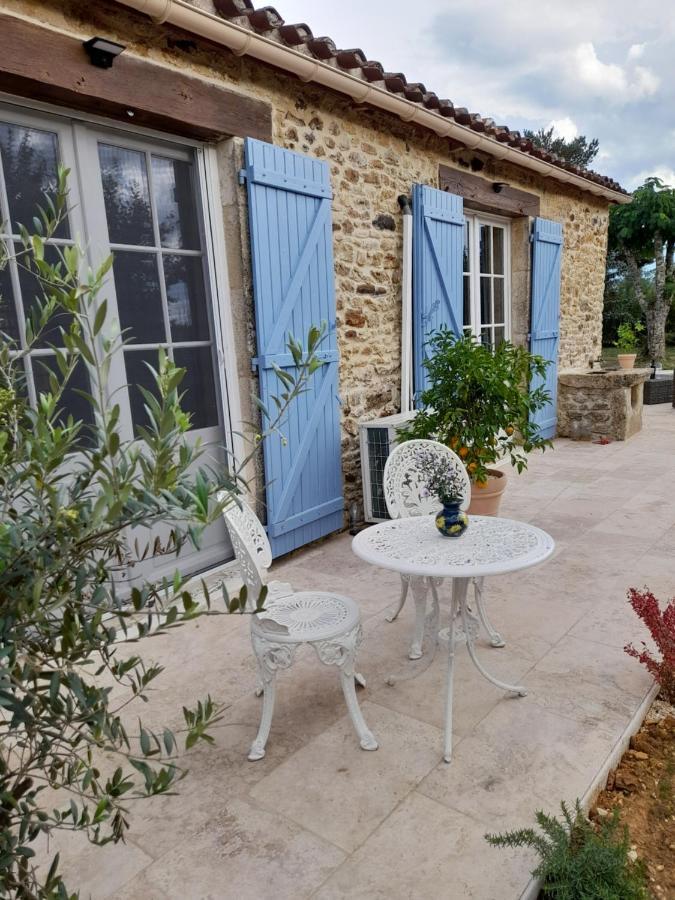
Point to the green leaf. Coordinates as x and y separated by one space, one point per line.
100 317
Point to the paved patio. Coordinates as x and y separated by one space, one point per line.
320 818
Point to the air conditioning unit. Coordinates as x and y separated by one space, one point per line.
378 439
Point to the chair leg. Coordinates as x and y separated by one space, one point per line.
405 584
341 652
496 640
270 658
257 750
419 589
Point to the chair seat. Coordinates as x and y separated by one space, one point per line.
306 616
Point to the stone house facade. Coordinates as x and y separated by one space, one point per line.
374 155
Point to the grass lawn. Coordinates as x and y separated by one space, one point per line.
609 355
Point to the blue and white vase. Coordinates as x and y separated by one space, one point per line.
451 521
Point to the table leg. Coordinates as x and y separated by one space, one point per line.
459 590
516 689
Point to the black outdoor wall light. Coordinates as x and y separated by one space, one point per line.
102 52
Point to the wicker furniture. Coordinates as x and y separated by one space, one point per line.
406 495
658 390
330 623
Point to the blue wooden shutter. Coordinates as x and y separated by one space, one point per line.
545 313
289 199
438 252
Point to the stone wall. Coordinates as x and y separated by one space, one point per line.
373 157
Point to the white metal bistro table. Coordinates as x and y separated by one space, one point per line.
490 546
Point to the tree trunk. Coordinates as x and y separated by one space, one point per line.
657 311
656 332
635 274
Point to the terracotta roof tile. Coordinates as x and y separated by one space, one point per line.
266 20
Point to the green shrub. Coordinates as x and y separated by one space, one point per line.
628 337
478 402
579 861
70 491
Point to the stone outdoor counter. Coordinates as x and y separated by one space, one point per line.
600 404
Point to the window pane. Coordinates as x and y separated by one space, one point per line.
498 289
29 164
138 297
498 250
500 336
467 251
71 402
186 298
33 291
485 336
8 320
175 195
485 301
197 387
467 300
135 362
485 248
126 194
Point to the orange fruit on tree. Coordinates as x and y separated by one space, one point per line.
472 467
509 430
463 452
453 442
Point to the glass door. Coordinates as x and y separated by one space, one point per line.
139 200
144 209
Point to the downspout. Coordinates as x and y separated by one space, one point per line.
406 306
242 42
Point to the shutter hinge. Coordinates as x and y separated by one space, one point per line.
242 176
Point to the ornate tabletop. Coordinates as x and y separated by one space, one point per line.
489 546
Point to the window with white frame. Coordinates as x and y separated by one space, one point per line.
487 282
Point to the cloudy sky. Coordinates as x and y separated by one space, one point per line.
603 68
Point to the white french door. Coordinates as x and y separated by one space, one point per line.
487 279
139 199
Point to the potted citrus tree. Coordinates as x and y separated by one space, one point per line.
479 404
627 340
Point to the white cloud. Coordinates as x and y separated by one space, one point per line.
604 79
636 51
646 82
611 81
665 173
565 128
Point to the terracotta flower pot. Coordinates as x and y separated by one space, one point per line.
485 500
626 360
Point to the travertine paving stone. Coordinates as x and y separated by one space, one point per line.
319 818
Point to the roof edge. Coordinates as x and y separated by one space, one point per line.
243 41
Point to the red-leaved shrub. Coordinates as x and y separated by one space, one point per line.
661 625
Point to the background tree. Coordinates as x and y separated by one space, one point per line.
70 491
579 151
642 234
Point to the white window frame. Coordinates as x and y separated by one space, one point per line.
474 221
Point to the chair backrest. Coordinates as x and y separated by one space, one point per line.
405 492
250 544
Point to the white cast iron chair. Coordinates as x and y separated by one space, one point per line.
405 495
329 622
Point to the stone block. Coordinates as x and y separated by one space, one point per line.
600 404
